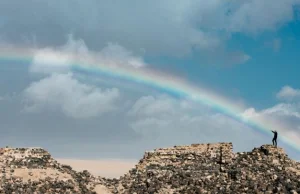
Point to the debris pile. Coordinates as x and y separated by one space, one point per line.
30 170
212 168
191 169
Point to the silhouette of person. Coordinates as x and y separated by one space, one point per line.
275 138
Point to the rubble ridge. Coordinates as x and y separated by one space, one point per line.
209 150
196 168
212 168
33 170
204 147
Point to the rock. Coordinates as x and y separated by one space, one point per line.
211 168
196 168
33 170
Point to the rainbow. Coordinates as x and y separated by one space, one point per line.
158 80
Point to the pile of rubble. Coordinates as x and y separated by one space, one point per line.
212 168
33 170
192 169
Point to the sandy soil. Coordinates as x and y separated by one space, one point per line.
36 174
105 168
99 189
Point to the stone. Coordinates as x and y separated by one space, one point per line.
196 168
46 174
212 167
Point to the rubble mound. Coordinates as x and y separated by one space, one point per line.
33 170
191 169
211 168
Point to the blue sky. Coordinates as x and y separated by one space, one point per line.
274 63
246 51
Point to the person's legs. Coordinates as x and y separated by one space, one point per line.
273 141
276 142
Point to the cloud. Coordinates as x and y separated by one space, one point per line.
147 122
59 59
284 109
9 96
284 116
167 119
63 92
251 17
60 89
158 28
166 31
114 53
178 121
248 113
274 44
222 57
248 17
148 105
288 93
47 61
238 58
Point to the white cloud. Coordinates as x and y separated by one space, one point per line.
163 117
255 16
59 59
288 93
170 120
278 110
149 105
284 109
63 92
50 61
249 113
61 89
283 117
114 53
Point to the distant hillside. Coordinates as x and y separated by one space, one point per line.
33 170
197 168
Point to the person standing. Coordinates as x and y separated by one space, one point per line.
274 140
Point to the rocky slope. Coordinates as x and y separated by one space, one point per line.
196 168
33 170
212 168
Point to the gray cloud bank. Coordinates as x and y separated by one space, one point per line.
156 28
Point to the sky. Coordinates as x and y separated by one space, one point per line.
246 52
